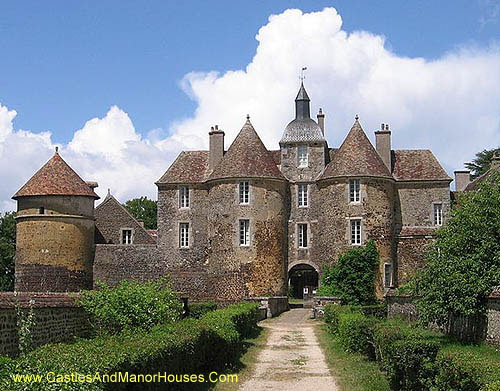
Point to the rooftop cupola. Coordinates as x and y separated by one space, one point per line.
302 110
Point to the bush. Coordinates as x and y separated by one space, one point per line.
355 332
464 370
378 311
187 346
410 367
331 315
197 310
131 305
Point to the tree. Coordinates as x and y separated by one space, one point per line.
463 265
353 277
143 209
481 162
7 250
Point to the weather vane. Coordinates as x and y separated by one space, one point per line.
302 74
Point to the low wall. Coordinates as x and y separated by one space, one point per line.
319 303
273 306
57 319
484 328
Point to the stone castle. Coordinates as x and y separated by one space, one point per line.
246 222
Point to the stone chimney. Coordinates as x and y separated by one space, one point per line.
383 144
462 179
321 121
216 142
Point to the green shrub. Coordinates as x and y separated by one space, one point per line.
331 315
197 310
410 367
187 346
376 310
466 370
355 332
131 305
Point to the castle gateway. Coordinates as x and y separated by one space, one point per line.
242 222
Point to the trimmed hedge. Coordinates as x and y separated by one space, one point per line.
332 313
355 332
197 310
187 346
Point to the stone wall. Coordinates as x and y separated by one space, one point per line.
493 319
57 319
410 256
273 306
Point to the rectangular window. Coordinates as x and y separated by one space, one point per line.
303 240
184 235
244 232
244 191
302 196
183 197
438 214
354 190
356 232
387 275
302 156
126 236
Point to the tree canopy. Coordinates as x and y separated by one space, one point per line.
463 265
143 209
481 163
7 250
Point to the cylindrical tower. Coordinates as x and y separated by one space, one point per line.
55 230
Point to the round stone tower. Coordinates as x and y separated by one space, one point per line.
55 230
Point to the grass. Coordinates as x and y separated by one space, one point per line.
247 361
352 371
292 300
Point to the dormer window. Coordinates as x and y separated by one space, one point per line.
354 191
183 197
126 236
302 156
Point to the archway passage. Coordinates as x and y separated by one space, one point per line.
302 276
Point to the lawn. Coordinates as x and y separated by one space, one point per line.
352 372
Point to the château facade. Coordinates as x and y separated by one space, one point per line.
249 222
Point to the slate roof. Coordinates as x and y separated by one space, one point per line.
302 130
247 157
417 165
56 177
356 157
189 167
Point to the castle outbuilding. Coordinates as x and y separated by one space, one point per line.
251 222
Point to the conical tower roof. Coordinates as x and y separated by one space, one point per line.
356 157
247 157
56 177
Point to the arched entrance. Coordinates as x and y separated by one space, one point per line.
300 276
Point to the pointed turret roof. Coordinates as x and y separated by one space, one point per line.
247 157
56 177
302 95
356 157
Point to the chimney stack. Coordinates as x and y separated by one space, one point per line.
383 145
462 179
321 121
216 142
495 161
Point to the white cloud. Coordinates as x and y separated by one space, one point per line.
450 105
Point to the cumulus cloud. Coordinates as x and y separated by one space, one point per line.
450 105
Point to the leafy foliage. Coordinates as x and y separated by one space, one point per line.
189 346
481 162
355 332
7 250
197 310
131 305
463 265
143 209
353 277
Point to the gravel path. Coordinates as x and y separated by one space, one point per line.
292 358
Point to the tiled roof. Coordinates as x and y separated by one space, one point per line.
302 130
417 231
276 154
189 167
247 157
487 176
417 165
56 177
356 157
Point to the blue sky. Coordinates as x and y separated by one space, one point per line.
121 87
62 65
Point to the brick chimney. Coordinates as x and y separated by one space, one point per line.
321 121
462 179
216 142
383 144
